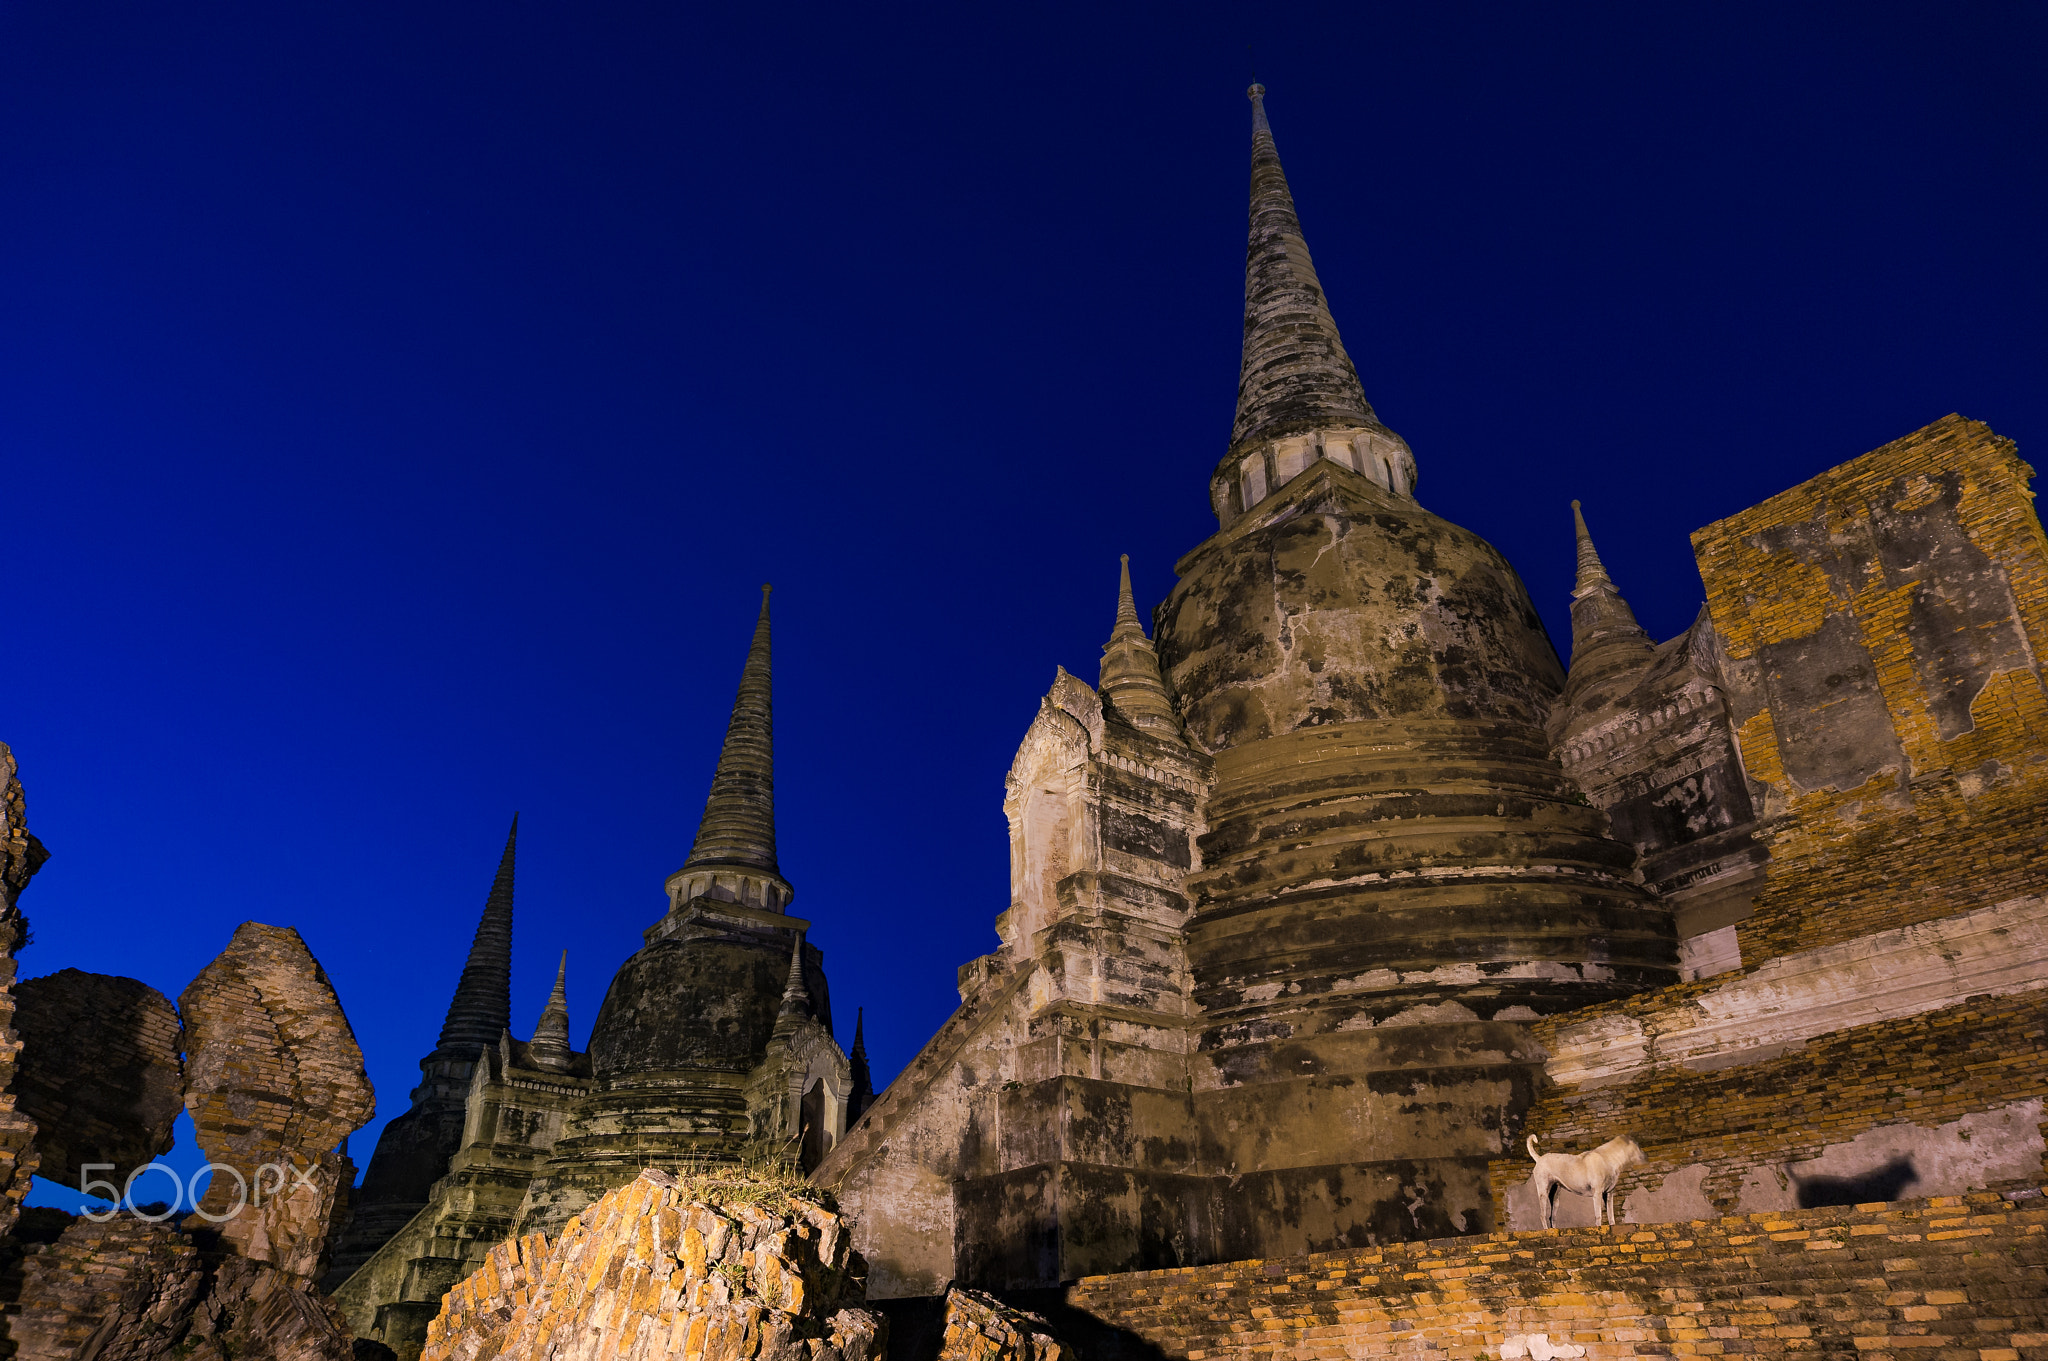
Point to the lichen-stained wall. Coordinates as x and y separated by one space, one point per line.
1338 600
1883 626
653 1271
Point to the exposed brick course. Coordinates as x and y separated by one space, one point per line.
1928 1069
274 1081
1943 1279
127 1289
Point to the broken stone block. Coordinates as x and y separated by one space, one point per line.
129 1289
128 1275
980 1327
274 1081
99 1073
21 855
651 1271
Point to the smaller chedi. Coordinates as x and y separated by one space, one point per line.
714 1044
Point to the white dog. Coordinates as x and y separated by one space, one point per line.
1586 1174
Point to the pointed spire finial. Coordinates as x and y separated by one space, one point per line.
796 998
1605 635
1299 401
1126 607
863 1094
1592 575
1131 682
482 1006
738 827
1295 376
550 1045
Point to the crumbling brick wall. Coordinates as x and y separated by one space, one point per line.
1947 1276
1883 626
126 1268
100 1072
21 855
1740 1126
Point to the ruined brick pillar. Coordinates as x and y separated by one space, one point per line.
21 855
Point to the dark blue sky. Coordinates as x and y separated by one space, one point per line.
401 405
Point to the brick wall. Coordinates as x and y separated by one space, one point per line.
1944 1279
1924 1071
1883 625
124 1265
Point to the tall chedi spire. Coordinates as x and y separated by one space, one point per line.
1605 636
1130 680
863 1095
1298 394
482 1007
550 1047
417 1145
734 855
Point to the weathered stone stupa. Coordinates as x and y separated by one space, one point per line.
1394 870
718 1033
714 1042
1285 889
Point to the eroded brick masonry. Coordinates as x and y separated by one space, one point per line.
1946 1277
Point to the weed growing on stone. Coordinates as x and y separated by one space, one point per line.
756 1179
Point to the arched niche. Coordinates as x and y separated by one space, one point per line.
814 1125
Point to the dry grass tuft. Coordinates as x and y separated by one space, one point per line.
764 1180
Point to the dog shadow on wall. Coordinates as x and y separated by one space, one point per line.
1884 1183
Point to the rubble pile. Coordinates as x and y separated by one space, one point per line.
980 1327
650 1271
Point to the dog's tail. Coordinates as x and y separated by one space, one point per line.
1532 1146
